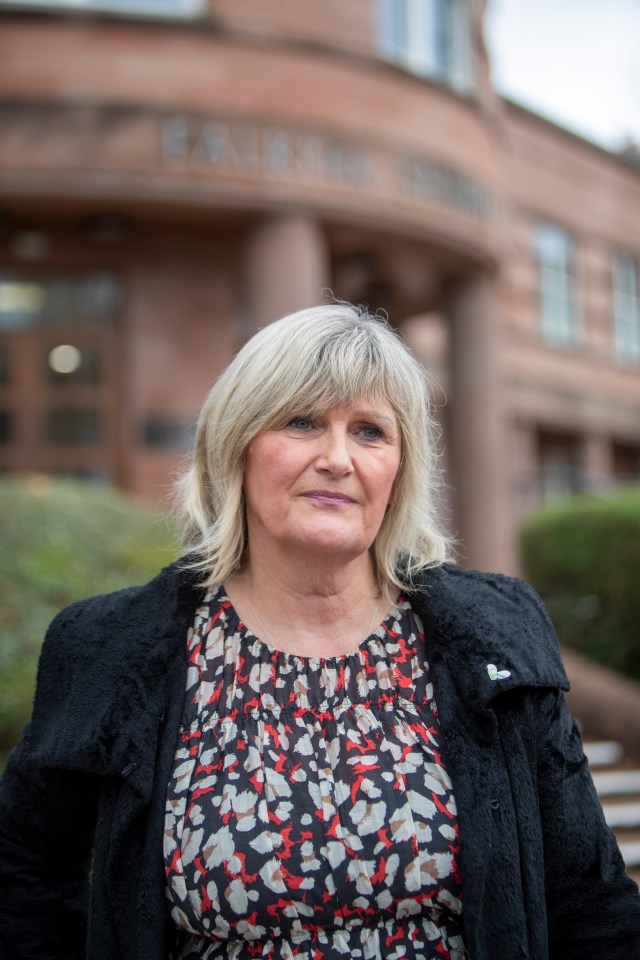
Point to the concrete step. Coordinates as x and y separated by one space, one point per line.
603 753
630 851
622 815
618 788
617 782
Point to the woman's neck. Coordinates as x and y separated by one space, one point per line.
312 608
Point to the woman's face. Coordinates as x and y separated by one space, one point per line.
322 484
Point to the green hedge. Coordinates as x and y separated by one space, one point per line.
61 540
583 557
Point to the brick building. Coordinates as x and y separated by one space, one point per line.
174 173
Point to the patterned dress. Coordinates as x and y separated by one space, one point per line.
309 813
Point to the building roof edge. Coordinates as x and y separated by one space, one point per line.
618 158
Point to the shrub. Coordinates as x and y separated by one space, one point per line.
583 557
61 540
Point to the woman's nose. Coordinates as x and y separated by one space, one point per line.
335 453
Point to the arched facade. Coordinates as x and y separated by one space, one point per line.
173 177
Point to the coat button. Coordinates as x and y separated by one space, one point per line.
495 804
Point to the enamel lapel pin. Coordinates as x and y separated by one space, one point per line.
495 674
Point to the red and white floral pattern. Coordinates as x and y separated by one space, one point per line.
309 813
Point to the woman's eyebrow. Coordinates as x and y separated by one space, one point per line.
375 414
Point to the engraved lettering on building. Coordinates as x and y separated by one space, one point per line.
269 151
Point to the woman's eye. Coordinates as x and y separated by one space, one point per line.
300 423
371 432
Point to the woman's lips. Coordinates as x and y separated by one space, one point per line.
328 497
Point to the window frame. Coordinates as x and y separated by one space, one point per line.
625 308
430 38
559 313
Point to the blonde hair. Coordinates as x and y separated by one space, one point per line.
309 362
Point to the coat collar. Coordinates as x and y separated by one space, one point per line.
169 601
491 630
110 668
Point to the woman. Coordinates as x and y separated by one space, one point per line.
245 758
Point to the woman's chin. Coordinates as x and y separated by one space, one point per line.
328 543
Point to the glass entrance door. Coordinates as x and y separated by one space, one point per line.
59 374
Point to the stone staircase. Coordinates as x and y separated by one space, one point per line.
618 786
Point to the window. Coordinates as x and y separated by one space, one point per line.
429 37
5 426
45 302
560 474
168 432
73 427
558 304
626 309
67 366
138 8
626 462
4 365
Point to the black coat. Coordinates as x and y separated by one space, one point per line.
542 876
